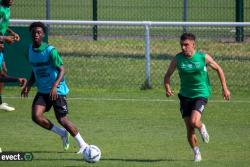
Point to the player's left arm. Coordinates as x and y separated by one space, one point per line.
212 63
56 60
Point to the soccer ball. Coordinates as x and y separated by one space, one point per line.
92 154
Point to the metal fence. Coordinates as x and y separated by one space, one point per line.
133 10
117 59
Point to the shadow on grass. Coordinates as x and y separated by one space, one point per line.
56 152
113 159
136 160
57 159
141 160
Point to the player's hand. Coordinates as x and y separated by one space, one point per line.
25 91
22 82
226 94
169 93
53 93
16 37
9 39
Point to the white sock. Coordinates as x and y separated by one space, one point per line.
196 150
57 130
80 141
202 129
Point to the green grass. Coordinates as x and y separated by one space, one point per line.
132 127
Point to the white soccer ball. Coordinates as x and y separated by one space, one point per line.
92 154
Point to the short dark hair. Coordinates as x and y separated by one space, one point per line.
188 36
5 2
37 24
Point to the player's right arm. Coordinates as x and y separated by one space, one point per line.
9 39
168 74
15 35
27 87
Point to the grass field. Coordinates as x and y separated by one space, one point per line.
132 128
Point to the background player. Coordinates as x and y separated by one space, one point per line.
4 77
5 12
194 87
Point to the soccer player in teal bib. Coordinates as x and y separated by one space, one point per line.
11 38
48 74
194 87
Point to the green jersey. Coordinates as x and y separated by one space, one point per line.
4 19
193 75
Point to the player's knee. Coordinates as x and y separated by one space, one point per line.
194 123
36 118
62 121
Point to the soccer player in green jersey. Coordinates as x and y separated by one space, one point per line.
12 37
5 12
194 87
48 73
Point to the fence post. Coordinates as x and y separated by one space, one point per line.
239 18
185 14
94 19
147 84
48 16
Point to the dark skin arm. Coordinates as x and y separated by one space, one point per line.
53 92
21 81
27 87
9 39
15 35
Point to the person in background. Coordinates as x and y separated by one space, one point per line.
5 11
4 77
194 87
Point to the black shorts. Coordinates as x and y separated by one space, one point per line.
60 104
187 105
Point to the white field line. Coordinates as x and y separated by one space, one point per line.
134 100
